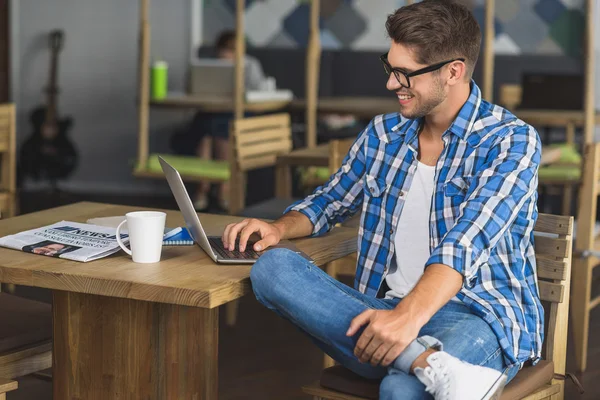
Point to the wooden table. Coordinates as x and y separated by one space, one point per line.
216 103
306 157
568 119
139 331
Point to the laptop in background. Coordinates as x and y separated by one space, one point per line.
543 91
212 77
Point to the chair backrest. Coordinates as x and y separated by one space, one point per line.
7 148
553 254
510 96
259 140
338 148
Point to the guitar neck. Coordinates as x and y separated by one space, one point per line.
52 89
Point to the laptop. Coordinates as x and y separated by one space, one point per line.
213 245
212 77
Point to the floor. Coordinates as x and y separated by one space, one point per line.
263 356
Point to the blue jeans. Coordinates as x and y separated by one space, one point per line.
322 307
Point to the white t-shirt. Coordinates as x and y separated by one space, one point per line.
411 241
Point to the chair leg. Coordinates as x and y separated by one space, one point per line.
580 296
231 312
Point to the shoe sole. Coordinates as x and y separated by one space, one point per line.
496 390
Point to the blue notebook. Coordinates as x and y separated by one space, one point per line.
181 238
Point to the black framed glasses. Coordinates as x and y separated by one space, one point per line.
404 77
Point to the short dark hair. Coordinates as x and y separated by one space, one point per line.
226 41
437 30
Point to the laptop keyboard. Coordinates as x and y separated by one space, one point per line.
248 254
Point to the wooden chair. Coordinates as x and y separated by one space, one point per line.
587 254
255 143
6 386
25 337
8 160
545 380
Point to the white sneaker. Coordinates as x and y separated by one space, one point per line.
448 378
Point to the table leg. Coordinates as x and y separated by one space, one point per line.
113 348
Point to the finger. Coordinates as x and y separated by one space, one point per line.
359 321
379 353
265 242
245 234
391 355
371 348
225 236
234 232
362 343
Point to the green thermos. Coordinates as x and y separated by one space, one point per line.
159 80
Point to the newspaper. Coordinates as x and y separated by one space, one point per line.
69 240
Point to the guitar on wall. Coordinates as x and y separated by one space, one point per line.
48 154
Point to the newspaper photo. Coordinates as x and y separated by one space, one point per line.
69 240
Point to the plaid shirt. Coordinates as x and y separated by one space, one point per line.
482 214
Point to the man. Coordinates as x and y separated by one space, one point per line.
447 192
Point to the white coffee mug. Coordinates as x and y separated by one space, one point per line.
146 231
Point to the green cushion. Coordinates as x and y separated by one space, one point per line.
559 172
313 174
322 173
569 153
188 165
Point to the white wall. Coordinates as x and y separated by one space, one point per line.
98 80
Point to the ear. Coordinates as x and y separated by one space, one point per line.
457 71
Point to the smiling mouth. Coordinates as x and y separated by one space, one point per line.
404 96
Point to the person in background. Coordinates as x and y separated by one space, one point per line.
213 128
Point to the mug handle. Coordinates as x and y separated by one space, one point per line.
125 249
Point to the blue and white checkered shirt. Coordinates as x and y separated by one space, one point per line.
482 216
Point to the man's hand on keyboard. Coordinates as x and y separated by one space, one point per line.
269 234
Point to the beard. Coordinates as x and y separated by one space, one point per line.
422 107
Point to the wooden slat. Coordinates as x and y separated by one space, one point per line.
338 149
239 89
270 148
262 122
26 366
488 51
589 101
143 81
552 292
257 162
550 247
558 224
7 385
25 352
266 135
544 392
551 269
